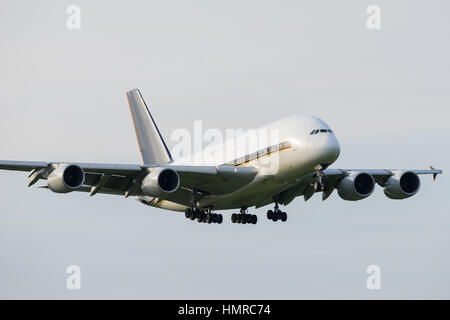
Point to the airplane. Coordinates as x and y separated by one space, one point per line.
276 172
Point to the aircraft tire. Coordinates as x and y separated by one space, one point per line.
275 216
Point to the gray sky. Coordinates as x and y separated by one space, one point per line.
231 64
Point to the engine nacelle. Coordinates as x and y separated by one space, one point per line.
160 181
65 178
402 185
356 186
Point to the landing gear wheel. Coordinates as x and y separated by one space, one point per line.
187 213
275 216
214 218
243 218
197 216
219 218
270 214
283 216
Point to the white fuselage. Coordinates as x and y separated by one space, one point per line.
295 151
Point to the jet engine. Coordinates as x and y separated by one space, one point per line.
65 178
160 181
402 185
356 186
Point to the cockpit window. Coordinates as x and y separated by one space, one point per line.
316 131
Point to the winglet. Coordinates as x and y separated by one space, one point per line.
151 144
434 173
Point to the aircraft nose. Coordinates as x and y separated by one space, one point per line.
329 149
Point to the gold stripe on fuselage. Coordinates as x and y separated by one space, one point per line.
261 156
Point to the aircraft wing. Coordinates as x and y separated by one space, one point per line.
125 179
380 175
332 177
22 165
117 178
87 167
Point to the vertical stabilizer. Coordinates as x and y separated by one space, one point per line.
151 144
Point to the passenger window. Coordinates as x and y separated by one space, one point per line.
312 132
323 130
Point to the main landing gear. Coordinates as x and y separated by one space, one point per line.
244 217
202 216
276 214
